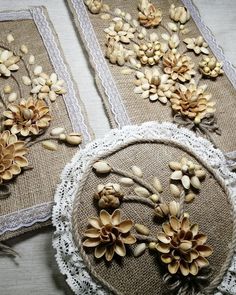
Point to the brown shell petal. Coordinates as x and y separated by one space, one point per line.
99 251
129 239
21 161
95 222
125 226
92 233
120 248
173 267
116 217
105 217
109 253
91 242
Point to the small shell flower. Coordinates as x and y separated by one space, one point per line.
210 67
189 173
198 45
8 62
179 14
120 31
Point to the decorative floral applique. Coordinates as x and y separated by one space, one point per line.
135 46
180 246
25 119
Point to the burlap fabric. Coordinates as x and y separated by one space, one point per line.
36 186
140 110
211 210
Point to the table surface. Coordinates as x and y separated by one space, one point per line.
36 271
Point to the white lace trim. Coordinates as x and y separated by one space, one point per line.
67 255
26 217
39 213
113 95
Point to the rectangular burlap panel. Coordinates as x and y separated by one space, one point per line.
32 192
123 105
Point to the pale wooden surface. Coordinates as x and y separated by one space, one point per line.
36 272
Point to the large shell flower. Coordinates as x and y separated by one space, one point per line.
8 62
108 195
179 67
182 247
28 117
149 15
192 101
109 235
198 45
12 156
120 31
151 84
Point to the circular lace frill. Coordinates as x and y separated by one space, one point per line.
67 255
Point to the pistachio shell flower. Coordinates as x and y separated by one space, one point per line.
29 117
210 67
12 156
179 14
120 31
108 195
198 45
149 15
151 84
188 172
179 67
8 62
182 247
192 101
109 235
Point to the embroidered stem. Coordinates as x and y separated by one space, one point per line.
145 238
137 179
181 203
199 79
4 191
29 144
18 85
27 68
184 52
139 200
6 250
2 96
165 28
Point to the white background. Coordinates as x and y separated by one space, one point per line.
36 272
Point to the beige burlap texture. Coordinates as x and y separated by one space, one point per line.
141 110
211 209
35 186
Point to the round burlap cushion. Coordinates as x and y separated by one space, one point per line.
212 210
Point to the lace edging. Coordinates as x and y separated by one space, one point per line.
67 254
113 95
